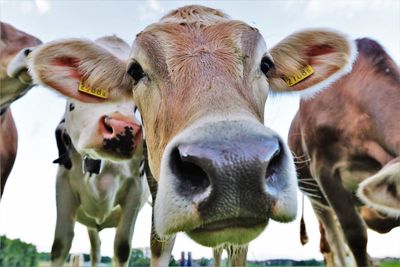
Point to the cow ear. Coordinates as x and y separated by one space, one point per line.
80 69
308 61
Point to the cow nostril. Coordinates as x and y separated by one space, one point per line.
107 125
193 179
27 51
274 162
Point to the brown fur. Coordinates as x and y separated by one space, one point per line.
349 132
8 146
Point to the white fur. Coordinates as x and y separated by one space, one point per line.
285 208
390 173
111 198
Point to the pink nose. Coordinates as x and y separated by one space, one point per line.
115 126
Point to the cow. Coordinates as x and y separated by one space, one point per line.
348 137
14 46
99 182
200 81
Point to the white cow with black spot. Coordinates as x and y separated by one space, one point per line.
99 182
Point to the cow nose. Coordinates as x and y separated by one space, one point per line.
26 51
111 127
204 168
190 168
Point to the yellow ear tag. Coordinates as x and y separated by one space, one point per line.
299 76
101 93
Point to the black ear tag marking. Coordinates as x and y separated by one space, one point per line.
64 146
91 165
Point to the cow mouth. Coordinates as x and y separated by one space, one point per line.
230 223
23 75
19 71
124 144
234 231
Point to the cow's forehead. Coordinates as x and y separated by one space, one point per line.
225 47
195 13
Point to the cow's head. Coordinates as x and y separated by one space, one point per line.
99 131
105 130
15 45
200 81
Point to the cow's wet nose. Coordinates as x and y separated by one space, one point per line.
190 168
231 165
111 127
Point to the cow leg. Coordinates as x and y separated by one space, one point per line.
67 206
352 224
161 249
237 255
332 243
126 225
94 246
217 252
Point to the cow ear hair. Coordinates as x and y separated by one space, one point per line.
82 70
308 61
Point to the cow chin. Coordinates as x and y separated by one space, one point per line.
252 179
24 77
212 235
114 155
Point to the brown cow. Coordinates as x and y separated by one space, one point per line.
11 43
344 135
200 80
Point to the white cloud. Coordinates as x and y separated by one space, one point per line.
43 6
317 8
25 7
151 11
154 4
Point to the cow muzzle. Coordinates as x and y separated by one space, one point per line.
221 182
17 68
121 136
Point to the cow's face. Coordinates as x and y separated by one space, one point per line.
103 131
200 81
14 46
220 170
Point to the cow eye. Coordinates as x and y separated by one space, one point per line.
266 65
135 71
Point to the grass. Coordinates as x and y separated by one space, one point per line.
394 263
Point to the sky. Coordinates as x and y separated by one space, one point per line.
27 209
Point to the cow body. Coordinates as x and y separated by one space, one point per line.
92 189
200 81
11 88
344 135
